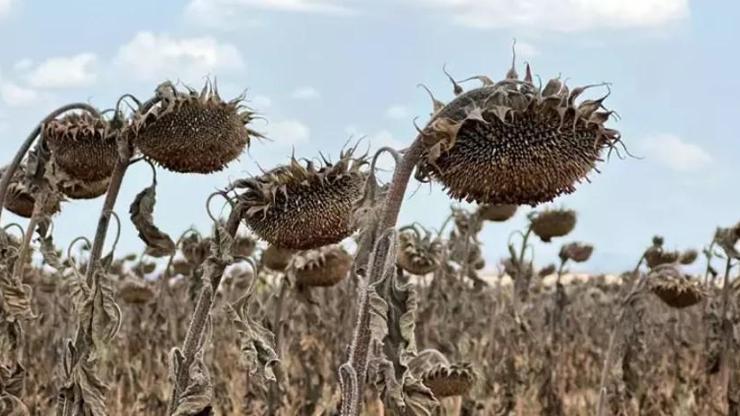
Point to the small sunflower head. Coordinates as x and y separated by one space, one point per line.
19 199
304 207
322 267
83 146
135 292
674 288
419 252
449 380
553 223
193 132
276 258
497 212
577 252
512 142
688 257
76 188
195 249
656 256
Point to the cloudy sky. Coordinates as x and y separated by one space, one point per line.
322 71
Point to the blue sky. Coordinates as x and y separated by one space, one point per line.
321 71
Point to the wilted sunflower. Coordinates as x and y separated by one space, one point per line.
512 142
77 188
656 256
19 200
553 223
496 212
577 252
304 207
191 132
448 381
418 251
675 289
135 291
277 258
322 267
688 257
82 146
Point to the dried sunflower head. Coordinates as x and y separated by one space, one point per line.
304 207
675 289
191 132
135 291
419 252
195 248
19 199
82 146
322 267
656 256
688 257
277 258
449 380
577 252
553 223
497 212
512 142
76 188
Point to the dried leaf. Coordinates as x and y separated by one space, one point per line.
408 397
48 251
158 243
198 396
257 342
11 405
83 392
101 310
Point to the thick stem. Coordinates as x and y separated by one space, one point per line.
26 243
200 316
125 153
10 171
360 346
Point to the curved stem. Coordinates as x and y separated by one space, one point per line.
400 182
125 153
10 171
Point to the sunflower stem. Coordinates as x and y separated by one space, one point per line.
23 149
726 356
354 371
124 155
198 321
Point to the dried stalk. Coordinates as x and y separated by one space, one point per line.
352 373
200 315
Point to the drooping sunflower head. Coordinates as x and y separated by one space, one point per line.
304 206
577 252
322 267
83 146
19 199
553 223
276 258
419 251
513 142
674 288
193 132
449 380
497 212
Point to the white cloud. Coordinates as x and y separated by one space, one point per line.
305 93
64 72
397 112
210 7
675 153
288 132
230 14
563 15
150 56
13 95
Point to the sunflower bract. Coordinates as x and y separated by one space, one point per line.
514 143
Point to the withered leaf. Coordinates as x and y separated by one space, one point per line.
257 342
48 251
101 309
11 405
158 243
83 392
198 396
